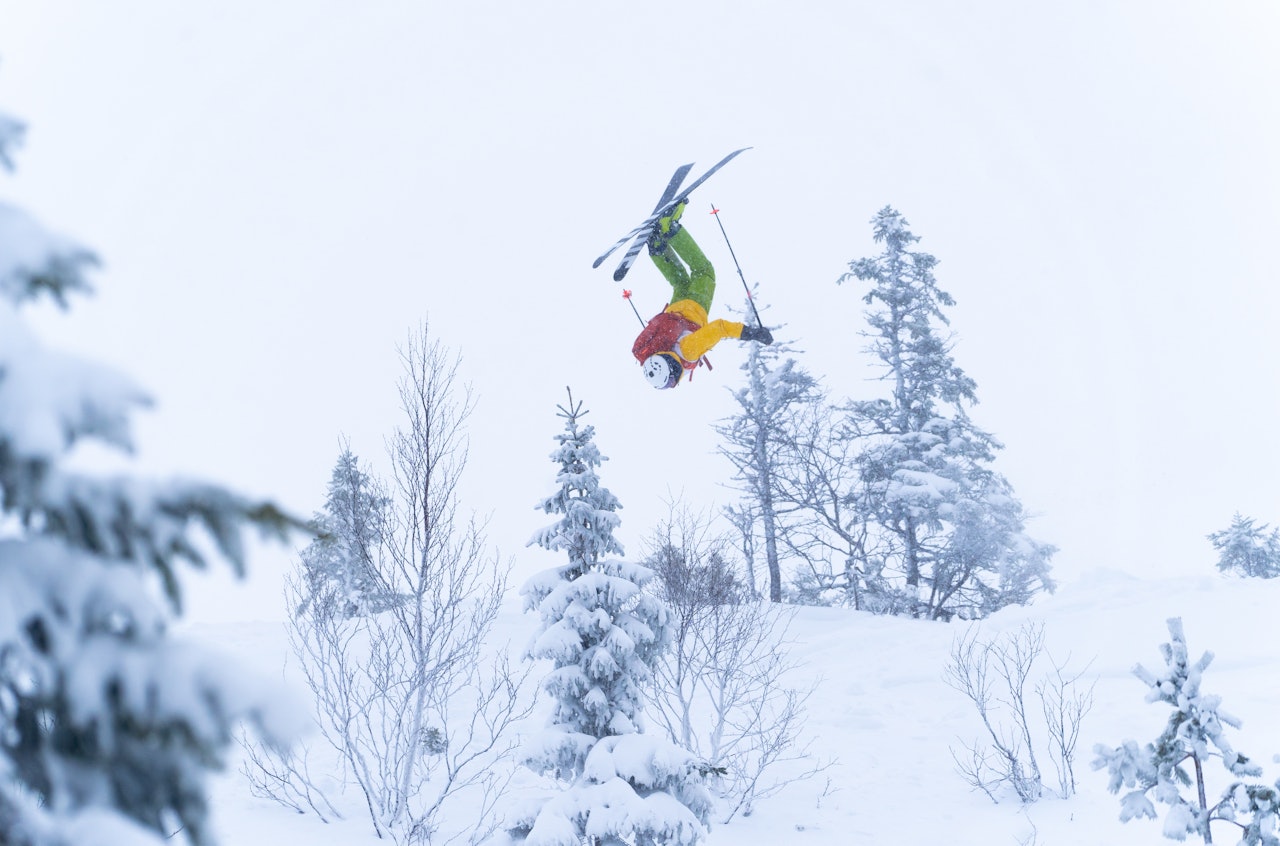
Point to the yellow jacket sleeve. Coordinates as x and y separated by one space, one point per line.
698 343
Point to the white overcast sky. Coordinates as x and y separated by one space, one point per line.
281 191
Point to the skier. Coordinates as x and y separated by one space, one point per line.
677 339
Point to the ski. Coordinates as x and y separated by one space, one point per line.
629 258
646 228
641 233
672 187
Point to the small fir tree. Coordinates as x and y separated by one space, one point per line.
341 565
602 632
1194 734
1247 549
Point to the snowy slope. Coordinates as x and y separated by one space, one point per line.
884 711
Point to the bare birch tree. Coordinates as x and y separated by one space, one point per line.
753 441
415 706
831 531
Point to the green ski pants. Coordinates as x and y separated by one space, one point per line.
698 282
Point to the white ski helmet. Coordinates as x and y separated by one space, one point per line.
662 370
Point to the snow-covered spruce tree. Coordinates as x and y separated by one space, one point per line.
953 528
1195 733
341 564
755 438
108 724
1247 549
602 632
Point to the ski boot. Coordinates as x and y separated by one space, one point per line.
668 226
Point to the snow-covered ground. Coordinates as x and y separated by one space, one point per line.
885 713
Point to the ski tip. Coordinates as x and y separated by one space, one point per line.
597 262
620 273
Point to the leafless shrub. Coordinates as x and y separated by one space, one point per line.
1064 702
285 778
722 690
994 674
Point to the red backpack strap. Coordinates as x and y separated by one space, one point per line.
692 366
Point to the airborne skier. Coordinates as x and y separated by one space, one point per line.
676 339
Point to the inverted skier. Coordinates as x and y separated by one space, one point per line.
676 339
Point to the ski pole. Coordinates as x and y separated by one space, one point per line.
626 295
715 211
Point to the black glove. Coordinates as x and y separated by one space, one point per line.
757 333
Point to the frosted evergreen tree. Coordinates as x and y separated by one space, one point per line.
109 725
949 524
1194 735
1247 549
602 633
756 439
341 565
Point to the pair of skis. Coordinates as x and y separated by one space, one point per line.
671 197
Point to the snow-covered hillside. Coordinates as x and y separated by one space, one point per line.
884 711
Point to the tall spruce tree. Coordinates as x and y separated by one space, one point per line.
954 530
108 724
602 632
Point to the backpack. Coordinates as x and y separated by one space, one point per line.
660 335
